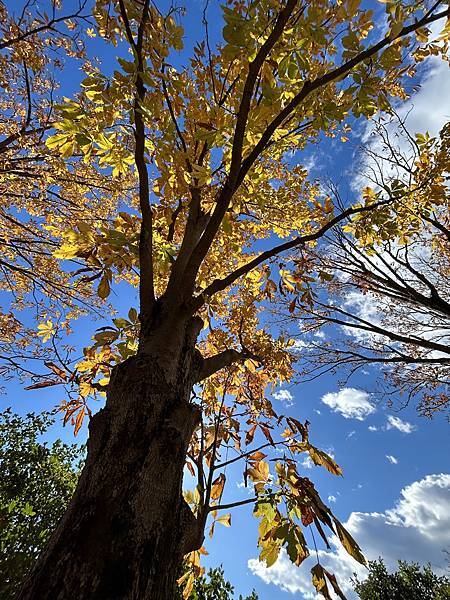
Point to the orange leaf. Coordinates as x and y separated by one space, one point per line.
79 420
250 434
42 384
51 365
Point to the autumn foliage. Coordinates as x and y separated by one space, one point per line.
180 181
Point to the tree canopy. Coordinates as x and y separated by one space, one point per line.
179 180
409 581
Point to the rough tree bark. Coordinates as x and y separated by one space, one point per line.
127 528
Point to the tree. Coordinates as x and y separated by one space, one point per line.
215 587
410 581
398 282
198 176
36 485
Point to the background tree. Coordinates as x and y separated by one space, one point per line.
186 378
37 483
410 581
390 295
214 586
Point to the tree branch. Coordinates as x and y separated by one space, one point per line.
311 86
221 360
48 25
235 178
146 287
220 284
232 504
229 186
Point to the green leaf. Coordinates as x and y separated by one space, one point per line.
28 510
133 315
270 554
121 323
127 65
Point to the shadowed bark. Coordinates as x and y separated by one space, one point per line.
128 525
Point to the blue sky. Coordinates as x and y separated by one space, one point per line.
393 491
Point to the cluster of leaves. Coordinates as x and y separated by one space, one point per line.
409 581
37 483
286 503
42 196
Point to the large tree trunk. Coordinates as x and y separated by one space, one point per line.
127 528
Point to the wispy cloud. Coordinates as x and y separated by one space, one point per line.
392 459
397 423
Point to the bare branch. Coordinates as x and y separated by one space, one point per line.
232 504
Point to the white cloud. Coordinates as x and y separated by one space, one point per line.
301 345
284 396
350 403
351 434
332 498
427 114
372 428
392 459
422 112
397 423
364 305
307 463
416 529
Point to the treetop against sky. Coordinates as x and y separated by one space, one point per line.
171 175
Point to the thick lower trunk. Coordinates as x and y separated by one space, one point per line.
127 528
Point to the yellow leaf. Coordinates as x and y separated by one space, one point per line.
349 543
319 581
224 520
187 590
321 458
66 251
46 330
